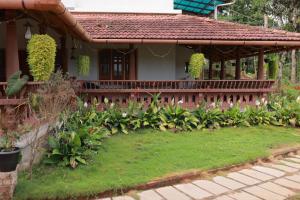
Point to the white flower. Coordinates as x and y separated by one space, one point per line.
266 102
257 103
213 104
263 100
180 102
298 99
85 104
106 100
112 105
231 105
124 114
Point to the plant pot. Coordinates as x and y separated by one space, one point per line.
9 160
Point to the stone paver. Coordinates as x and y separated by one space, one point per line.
295 178
123 198
284 168
288 183
263 193
270 171
290 164
297 160
277 189
224 197
256 174
243 178
229 183
243 196
149 195
211 187
274 181
170 193
193 191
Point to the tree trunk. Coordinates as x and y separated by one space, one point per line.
281 64
294 66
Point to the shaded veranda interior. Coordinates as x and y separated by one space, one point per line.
121 44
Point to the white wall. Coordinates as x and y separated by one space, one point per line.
151 67
144 6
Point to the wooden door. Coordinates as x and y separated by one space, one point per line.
113 65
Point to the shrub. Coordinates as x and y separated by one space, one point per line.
197 61
177 119
41 56
83 65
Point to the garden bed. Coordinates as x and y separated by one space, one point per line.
129 160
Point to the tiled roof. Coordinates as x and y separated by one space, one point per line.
174 27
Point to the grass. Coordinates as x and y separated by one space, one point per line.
128 160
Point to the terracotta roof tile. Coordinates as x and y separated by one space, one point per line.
173 27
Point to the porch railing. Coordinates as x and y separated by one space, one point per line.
188 93
14 110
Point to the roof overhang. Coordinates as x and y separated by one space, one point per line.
53 8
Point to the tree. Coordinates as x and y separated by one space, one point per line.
287 12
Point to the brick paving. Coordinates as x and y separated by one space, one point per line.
268 181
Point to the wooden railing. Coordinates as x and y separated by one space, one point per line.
14 110
188 93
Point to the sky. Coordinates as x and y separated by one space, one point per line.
146 6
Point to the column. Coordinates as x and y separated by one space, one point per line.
260 70
223 70
11 46
132 64
238 65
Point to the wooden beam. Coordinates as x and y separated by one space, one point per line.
260 70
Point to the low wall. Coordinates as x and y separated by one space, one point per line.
34 140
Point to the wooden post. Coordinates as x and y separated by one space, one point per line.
64 54
238 65
132 64
223 70
260 70
11 46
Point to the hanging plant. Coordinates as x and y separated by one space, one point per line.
273 66
41 56
196 64
83 65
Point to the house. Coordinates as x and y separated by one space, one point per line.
138 53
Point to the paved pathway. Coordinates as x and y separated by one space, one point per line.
271 181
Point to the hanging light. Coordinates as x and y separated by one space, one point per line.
28 33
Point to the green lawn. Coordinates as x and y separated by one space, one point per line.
127 160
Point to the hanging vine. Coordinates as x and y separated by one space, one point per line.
197 61
273 66
83 65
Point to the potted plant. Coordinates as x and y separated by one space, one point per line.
9 153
